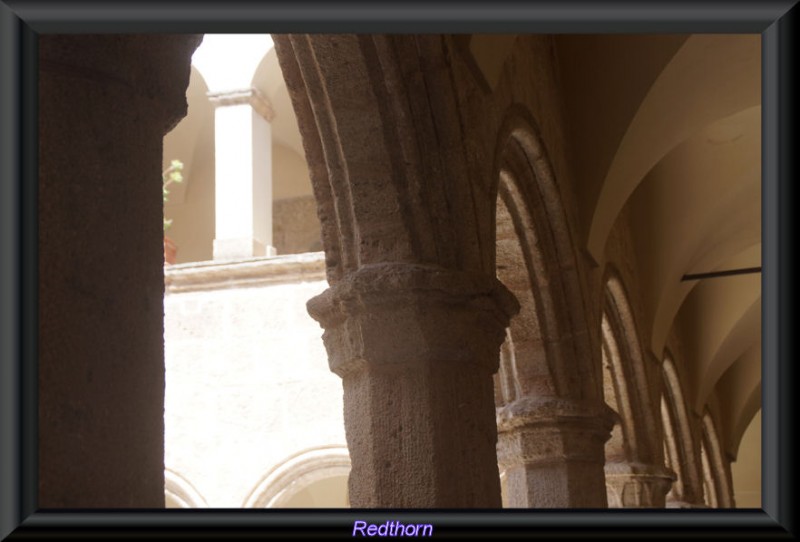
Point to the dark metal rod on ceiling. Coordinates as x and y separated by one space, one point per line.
727 273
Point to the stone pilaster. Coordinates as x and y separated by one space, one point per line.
637 485
552 452
243 179
416 347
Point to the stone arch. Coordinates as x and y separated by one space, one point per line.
627 369
548 356
539 266
213 59
635 476
709 482
180 493
687 491
715 471
296 473
380 127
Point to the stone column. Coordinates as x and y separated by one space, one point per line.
552 452
105 103
416 347
637 485
243 185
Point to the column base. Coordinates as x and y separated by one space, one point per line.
239 249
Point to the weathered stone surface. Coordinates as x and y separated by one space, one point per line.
296 227
416 347
551 450
410 141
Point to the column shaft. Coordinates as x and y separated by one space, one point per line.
243 166
105 103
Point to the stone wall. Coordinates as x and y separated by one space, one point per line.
247 382
295 226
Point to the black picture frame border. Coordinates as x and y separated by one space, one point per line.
22 21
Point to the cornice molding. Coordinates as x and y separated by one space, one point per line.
249 273
251 96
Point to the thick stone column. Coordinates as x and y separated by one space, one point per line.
637 485
243 185
105 103
552 451
416 347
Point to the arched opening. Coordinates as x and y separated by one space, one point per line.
561 385
635 476
255 136
237 336
312 478
545 368
716 478
679 442
328 493
709 482
180 493
535 259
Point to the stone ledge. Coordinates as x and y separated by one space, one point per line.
246 273
247 96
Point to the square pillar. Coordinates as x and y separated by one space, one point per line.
243 180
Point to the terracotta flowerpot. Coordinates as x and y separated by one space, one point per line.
170 251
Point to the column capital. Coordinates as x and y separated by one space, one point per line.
686 505
637 485
250 96
416 346
397 315
146 72
542 411
534 428
552 449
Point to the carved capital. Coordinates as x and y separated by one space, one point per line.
637 485
251 96
684 504
536 431
395 315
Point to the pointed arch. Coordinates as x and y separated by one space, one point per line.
535 258
679 440
716 472
624 366
554 430
385 148
180 493
296 473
